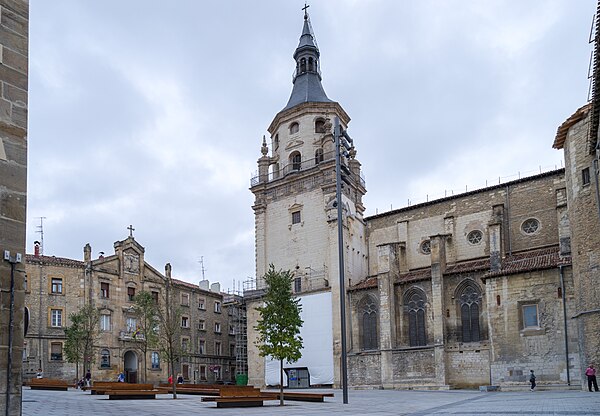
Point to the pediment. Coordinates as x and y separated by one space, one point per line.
293 144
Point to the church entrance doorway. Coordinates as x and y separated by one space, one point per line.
130 364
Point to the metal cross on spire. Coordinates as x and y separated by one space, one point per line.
306 6
131 230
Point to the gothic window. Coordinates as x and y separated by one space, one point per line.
530 226
415 308
105 358
425 247
469 301
294 128
296 160
318 156
367 310
320 126
475 237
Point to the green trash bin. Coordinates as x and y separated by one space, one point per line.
241 379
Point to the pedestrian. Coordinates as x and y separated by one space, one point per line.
88 378
121 378
590 372
170 379
179 379
39 374
532 379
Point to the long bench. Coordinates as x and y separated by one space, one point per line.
198 389
239 396
48 384
132 394
103 387
299 396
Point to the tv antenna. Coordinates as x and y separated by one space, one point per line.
40 231
202 269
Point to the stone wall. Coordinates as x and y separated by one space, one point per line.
468 366
364 369
14 48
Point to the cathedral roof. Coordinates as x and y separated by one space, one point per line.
561 133
307 77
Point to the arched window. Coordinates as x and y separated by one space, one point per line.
469 300
276 142
155 360
415 307
302 65
105 358
320 126
294 128
296 160
367 312
318 156
310 64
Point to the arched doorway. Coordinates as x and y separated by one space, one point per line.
130 364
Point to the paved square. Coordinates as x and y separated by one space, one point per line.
361 402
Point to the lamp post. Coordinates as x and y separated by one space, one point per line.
13 261
341 138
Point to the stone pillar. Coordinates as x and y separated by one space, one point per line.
564 228
14 22
438 267
263 163
496 240
388 269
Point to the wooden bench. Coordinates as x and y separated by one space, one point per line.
198 389
132 394
299 396
48 384
102 387
239 396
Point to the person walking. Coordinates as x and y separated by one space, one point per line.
88 378
590 372
532 379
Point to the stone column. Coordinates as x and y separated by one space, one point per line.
388 268
496 240
438 267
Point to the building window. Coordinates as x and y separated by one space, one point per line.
530 226
217 371
56 353
368 323
276 142
217 327
294 128
184 344
320 126
530 316
231 329
201 346
425 247
296 217
104 293
185 322
104 322
203 372
217 307
56 317
201 325
318 156
415 305
105 358
155 296
131 324
202 304
296 161
232 350
217 347
185 299
185 370
585 176
130 294
155 358
469 299
57 286
475 237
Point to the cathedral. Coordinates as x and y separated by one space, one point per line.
470 290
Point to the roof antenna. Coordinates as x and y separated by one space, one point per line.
202 269
40 231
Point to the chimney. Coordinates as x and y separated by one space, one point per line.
204 284
87 253
101 255
215 287
168 270
36 248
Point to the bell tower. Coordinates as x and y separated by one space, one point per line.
295 209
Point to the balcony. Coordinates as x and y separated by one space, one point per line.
131 335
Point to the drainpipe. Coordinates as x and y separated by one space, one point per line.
562 288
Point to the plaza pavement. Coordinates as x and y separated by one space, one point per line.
361 402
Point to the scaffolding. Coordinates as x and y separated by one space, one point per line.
236 308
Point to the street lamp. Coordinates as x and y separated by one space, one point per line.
13 261
341 139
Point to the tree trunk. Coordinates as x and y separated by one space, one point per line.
145 365
173 380
280 382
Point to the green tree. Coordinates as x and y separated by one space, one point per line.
145 310
279 324
169 327
81 336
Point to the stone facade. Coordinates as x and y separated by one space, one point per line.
57 287
14 47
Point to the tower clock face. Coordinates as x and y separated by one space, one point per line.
132 263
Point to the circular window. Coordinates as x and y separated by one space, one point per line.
475 237
530 226
425 247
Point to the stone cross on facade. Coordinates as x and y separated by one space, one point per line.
131 230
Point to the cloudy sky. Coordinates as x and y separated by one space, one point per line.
151 113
